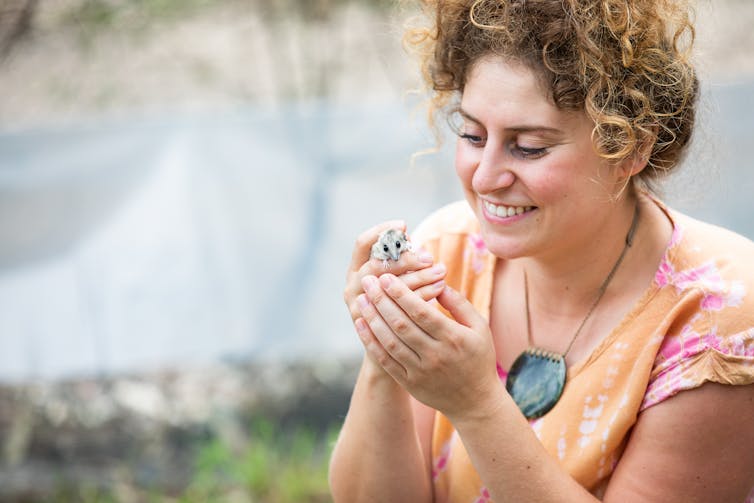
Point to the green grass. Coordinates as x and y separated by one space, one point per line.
275 467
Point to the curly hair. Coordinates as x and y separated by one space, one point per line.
625 63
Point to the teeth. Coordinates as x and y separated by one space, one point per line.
506 211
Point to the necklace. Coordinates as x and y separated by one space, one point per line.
537 377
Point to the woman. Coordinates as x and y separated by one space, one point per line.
638 385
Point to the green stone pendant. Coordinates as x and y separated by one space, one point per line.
536 381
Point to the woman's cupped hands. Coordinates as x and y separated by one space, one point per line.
445 360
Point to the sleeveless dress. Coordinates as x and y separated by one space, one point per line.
693 324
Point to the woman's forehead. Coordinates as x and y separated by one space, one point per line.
496 88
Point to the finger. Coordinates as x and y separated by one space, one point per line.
460 309
396 319
363 247
354 310
423 277
393 340
427 292
430 292
408 262
423 314
376 352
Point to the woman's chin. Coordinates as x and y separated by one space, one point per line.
506 248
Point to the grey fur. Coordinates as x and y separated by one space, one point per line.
390 245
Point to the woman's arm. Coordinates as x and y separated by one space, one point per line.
379 454
695 446
382 453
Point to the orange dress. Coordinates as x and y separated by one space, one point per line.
694 323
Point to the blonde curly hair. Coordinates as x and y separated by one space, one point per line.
625 63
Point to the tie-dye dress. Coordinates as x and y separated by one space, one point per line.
694 323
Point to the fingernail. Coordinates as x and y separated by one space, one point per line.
362 300
438 285
360 324
361 330
426 258
439 269
386 280
368 282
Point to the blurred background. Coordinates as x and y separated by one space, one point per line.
181 182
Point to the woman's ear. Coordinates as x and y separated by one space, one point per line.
635 164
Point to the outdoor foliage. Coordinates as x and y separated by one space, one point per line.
275 465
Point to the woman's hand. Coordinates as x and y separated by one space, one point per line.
414 268
448 364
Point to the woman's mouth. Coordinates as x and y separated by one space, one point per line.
503 211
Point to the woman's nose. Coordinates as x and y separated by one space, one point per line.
491 173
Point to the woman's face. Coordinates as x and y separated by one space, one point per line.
528 169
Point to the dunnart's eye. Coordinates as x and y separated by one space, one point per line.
385 248
398 245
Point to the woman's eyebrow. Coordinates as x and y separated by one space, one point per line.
523 128
466 115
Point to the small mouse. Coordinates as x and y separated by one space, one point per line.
390 245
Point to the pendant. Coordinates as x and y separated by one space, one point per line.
536 381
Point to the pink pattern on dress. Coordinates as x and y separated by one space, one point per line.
484 496
477 251
501 373
679 351
441 462
687 344
717 293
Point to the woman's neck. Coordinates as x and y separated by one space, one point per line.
566 282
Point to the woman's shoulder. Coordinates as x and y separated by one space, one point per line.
709 270
714 262
702 246
704 233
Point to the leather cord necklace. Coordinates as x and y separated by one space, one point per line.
537 377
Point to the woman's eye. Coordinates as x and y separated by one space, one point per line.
476 141
529 153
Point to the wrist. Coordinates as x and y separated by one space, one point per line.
379 388
486 410
373 373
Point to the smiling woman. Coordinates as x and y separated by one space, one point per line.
585 326
547 153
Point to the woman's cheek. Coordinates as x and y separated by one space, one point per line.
465 162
